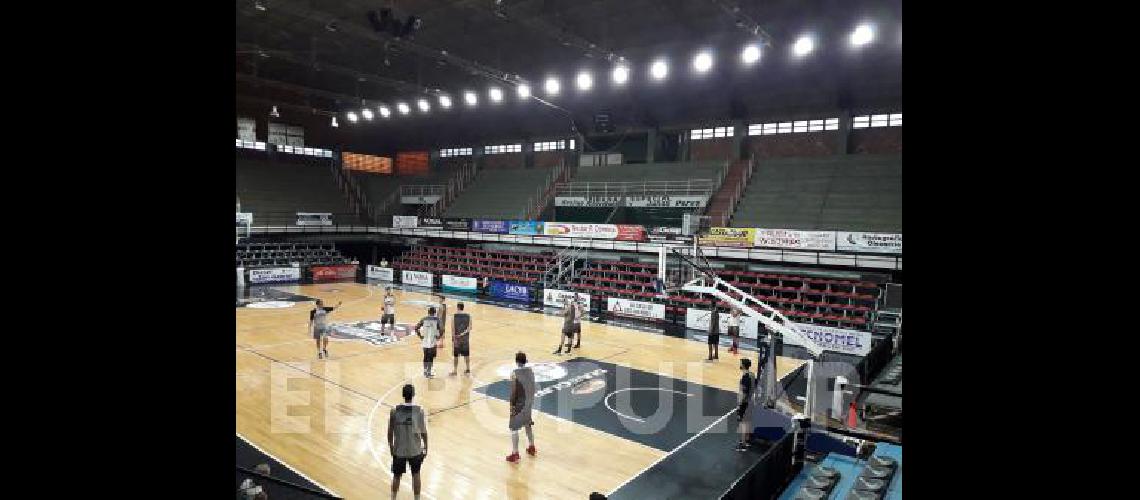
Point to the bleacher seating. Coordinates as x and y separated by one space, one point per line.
519 267
830 302
843 192
498 194
252 255
378 187
274 189
650 171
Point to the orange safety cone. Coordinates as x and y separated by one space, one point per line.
851 418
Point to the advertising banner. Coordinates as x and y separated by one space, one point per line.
343 271
636 201
525 227
623 232
835 339
626 307
454 224
490 226
698 319
380 273
795 239
418 278
275 275
869 242
460 283
510 291
729 237
403 221
314 219
558 298
431 222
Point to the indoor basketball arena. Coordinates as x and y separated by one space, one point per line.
494 249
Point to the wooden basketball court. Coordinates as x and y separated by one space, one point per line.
327 419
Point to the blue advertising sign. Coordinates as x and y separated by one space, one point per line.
490 226
526 227
510 291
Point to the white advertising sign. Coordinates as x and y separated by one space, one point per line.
835 339
637 201
274 275
795 239
557 298
698 319
635 308
405 221
418 278
869 242
314 219
380 273
460 283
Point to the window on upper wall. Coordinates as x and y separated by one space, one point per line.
794 127
710 133
452 152
503 148
550 145
874 121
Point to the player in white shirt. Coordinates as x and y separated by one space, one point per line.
734 329
389 311
428 330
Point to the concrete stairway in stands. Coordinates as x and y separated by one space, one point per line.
722 204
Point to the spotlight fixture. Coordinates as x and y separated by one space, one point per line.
259 5
750 54
496 94
585 80
444 101
620 74
273 112
334 124
423 105
659 69
352 116
385 112
803 46
403 108
366 113
524 91
552 86
470 98
702 62
862 35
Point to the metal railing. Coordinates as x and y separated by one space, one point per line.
652 188
353 193
455 185
544 193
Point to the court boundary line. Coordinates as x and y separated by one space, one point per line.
287 466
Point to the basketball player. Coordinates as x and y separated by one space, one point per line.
522 400
734 329
389 316
460 340
744 403
714 334
317 318
567 326
442 314
405 430
428 330
579 310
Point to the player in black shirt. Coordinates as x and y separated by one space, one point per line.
744 404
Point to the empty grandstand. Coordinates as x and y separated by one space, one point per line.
843 192
500 194
276 190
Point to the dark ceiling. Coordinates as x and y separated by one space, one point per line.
318 57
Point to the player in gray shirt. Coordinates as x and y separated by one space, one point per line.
460 340
406 429
522 401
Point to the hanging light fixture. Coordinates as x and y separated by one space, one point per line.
273 112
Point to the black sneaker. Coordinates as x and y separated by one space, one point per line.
742 447
320 355
558 352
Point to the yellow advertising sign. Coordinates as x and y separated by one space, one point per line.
729 237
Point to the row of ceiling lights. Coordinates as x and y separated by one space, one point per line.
861 36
